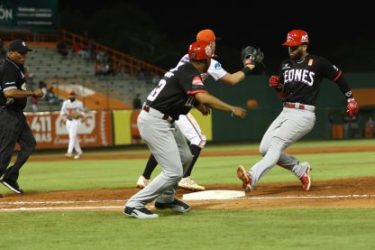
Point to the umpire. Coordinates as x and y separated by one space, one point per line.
13 125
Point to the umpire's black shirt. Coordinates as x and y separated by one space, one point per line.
12 76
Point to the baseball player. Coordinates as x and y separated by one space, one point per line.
188 124
298 84
179 90
72 111
13 124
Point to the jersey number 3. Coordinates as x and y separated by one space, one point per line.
156 91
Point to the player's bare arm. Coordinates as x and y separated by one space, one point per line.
18 93
235 78
213 102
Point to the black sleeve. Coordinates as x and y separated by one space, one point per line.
344 87
192 83
9 78
333 73
329 70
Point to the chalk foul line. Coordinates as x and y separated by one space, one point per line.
80 205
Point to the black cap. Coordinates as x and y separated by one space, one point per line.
19 46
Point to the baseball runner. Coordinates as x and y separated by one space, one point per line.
13 124
298 84
72 111
187 123
176 93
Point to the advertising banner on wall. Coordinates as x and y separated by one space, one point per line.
50 131
34 15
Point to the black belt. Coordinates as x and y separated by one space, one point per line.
157 113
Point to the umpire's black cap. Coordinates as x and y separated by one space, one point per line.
19 46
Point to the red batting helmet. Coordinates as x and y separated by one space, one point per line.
199 51
296 38
206 35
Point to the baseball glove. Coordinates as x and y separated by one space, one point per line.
251 55
75 114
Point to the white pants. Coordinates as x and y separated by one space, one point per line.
72 127
191 130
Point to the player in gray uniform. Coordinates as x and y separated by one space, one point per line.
175 94
187 123
298 84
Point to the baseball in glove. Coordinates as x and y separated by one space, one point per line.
251 55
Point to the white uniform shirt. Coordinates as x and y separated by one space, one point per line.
68 107
214 70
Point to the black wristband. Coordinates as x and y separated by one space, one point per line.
246 71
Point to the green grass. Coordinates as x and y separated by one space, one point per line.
199 229
73 175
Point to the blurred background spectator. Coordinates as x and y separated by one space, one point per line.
43 87
137 103
155 79
51 97
34 104
369 128
62 48
103 65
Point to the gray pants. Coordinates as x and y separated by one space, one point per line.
171 151
287 128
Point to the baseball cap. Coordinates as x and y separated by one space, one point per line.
72 93
206 35
19 46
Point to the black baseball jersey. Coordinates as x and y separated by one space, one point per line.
174 94
12 76
301 80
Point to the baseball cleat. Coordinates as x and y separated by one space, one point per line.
77 156
12 185
245 177
139 213
306 177
190 184
176 205
68 155
142 182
